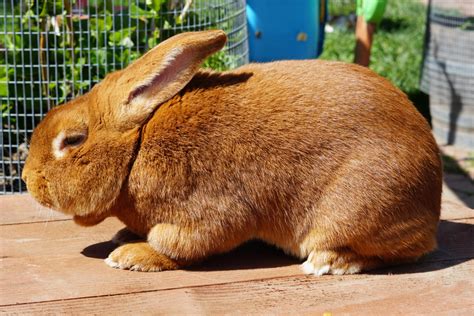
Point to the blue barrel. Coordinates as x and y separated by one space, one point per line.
282 29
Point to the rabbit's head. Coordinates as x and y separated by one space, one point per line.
81 153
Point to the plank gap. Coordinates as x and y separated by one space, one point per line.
38 222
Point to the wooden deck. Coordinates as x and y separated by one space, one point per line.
49 265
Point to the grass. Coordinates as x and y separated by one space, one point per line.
397 50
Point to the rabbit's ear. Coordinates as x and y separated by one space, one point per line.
162 72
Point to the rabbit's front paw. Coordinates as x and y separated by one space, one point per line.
139 256
338 262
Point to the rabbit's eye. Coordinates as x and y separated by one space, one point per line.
73 140
62 142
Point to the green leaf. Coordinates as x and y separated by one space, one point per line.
80 61
29 15
66 90
155 4
6 108
167 25
4 86
154 38
220 61
122 37
100 56
3 70
139 13
50 7
44 9
30 3
99 28
13 44
102 24
95 3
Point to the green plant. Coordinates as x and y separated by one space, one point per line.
398 43
341 7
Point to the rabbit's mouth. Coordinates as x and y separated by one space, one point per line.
38 189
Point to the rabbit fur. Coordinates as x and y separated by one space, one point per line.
326 160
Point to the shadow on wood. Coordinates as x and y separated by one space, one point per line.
455 242
100 250
455 246
251 255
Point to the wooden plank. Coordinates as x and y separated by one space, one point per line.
22 208
451 209
438 290
57 237
60 260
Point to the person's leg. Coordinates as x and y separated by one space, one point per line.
369 14
364 38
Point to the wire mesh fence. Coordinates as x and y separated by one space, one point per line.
54 50
448 70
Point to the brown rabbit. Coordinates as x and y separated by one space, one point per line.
326 160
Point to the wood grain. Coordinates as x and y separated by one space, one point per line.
22 208
49 265
438 291
60 260
455 210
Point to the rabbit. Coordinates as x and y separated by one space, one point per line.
326 160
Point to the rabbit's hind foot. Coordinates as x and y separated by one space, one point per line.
338 262
140 256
